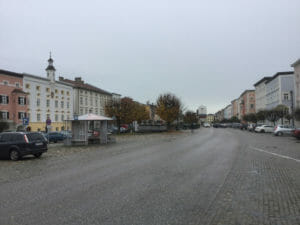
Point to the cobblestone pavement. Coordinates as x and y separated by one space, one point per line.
261 188
213 176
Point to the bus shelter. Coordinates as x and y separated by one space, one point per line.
90 128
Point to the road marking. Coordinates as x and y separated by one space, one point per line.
272 153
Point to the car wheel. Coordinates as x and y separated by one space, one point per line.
14 155
280 133
55 141
262 131
38 155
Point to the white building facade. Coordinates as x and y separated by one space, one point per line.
88 98
48 99
228 112
202 110
261 94
278 90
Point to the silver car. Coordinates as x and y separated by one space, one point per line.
283 129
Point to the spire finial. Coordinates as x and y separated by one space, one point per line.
50 54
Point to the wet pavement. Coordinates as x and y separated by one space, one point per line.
211 176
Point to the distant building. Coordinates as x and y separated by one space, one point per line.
210 118
234 108
49 100
278 89
261 94
228 112
13 100
246 103
202 110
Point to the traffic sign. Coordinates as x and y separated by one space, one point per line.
25 121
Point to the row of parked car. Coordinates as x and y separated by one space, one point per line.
15 145
278 130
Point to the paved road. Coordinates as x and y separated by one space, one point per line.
213 176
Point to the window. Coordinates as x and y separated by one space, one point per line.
96 102
47 89
17 84
5 82
21 115
68 105
56 91
285 96
68 93
4 115
81 100
56 117
91 101
38 88
81 111
56 103
251 106
86 101
47 116
86 110
62 117
38 102
27 86
48 103
62 92
62 104
22 100
96 111
4 99
38 117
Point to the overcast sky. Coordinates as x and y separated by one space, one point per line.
205 52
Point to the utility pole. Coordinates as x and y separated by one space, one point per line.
292 108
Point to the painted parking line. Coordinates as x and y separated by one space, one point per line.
275 154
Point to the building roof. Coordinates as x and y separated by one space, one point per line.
19 91
46 79
262 80
280 74
296 63
10 73
86 86
50 67
246 92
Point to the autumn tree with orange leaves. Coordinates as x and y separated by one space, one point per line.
168 107
126 111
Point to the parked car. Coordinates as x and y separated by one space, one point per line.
15 145
206 125
283 129
244 126
296 133
216 125
252 126
66 133
264 128
236 125
55 137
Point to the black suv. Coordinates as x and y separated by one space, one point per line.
14 145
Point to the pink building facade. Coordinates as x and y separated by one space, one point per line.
13 100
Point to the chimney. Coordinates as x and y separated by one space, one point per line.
78 80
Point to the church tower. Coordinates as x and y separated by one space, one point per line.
50 70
